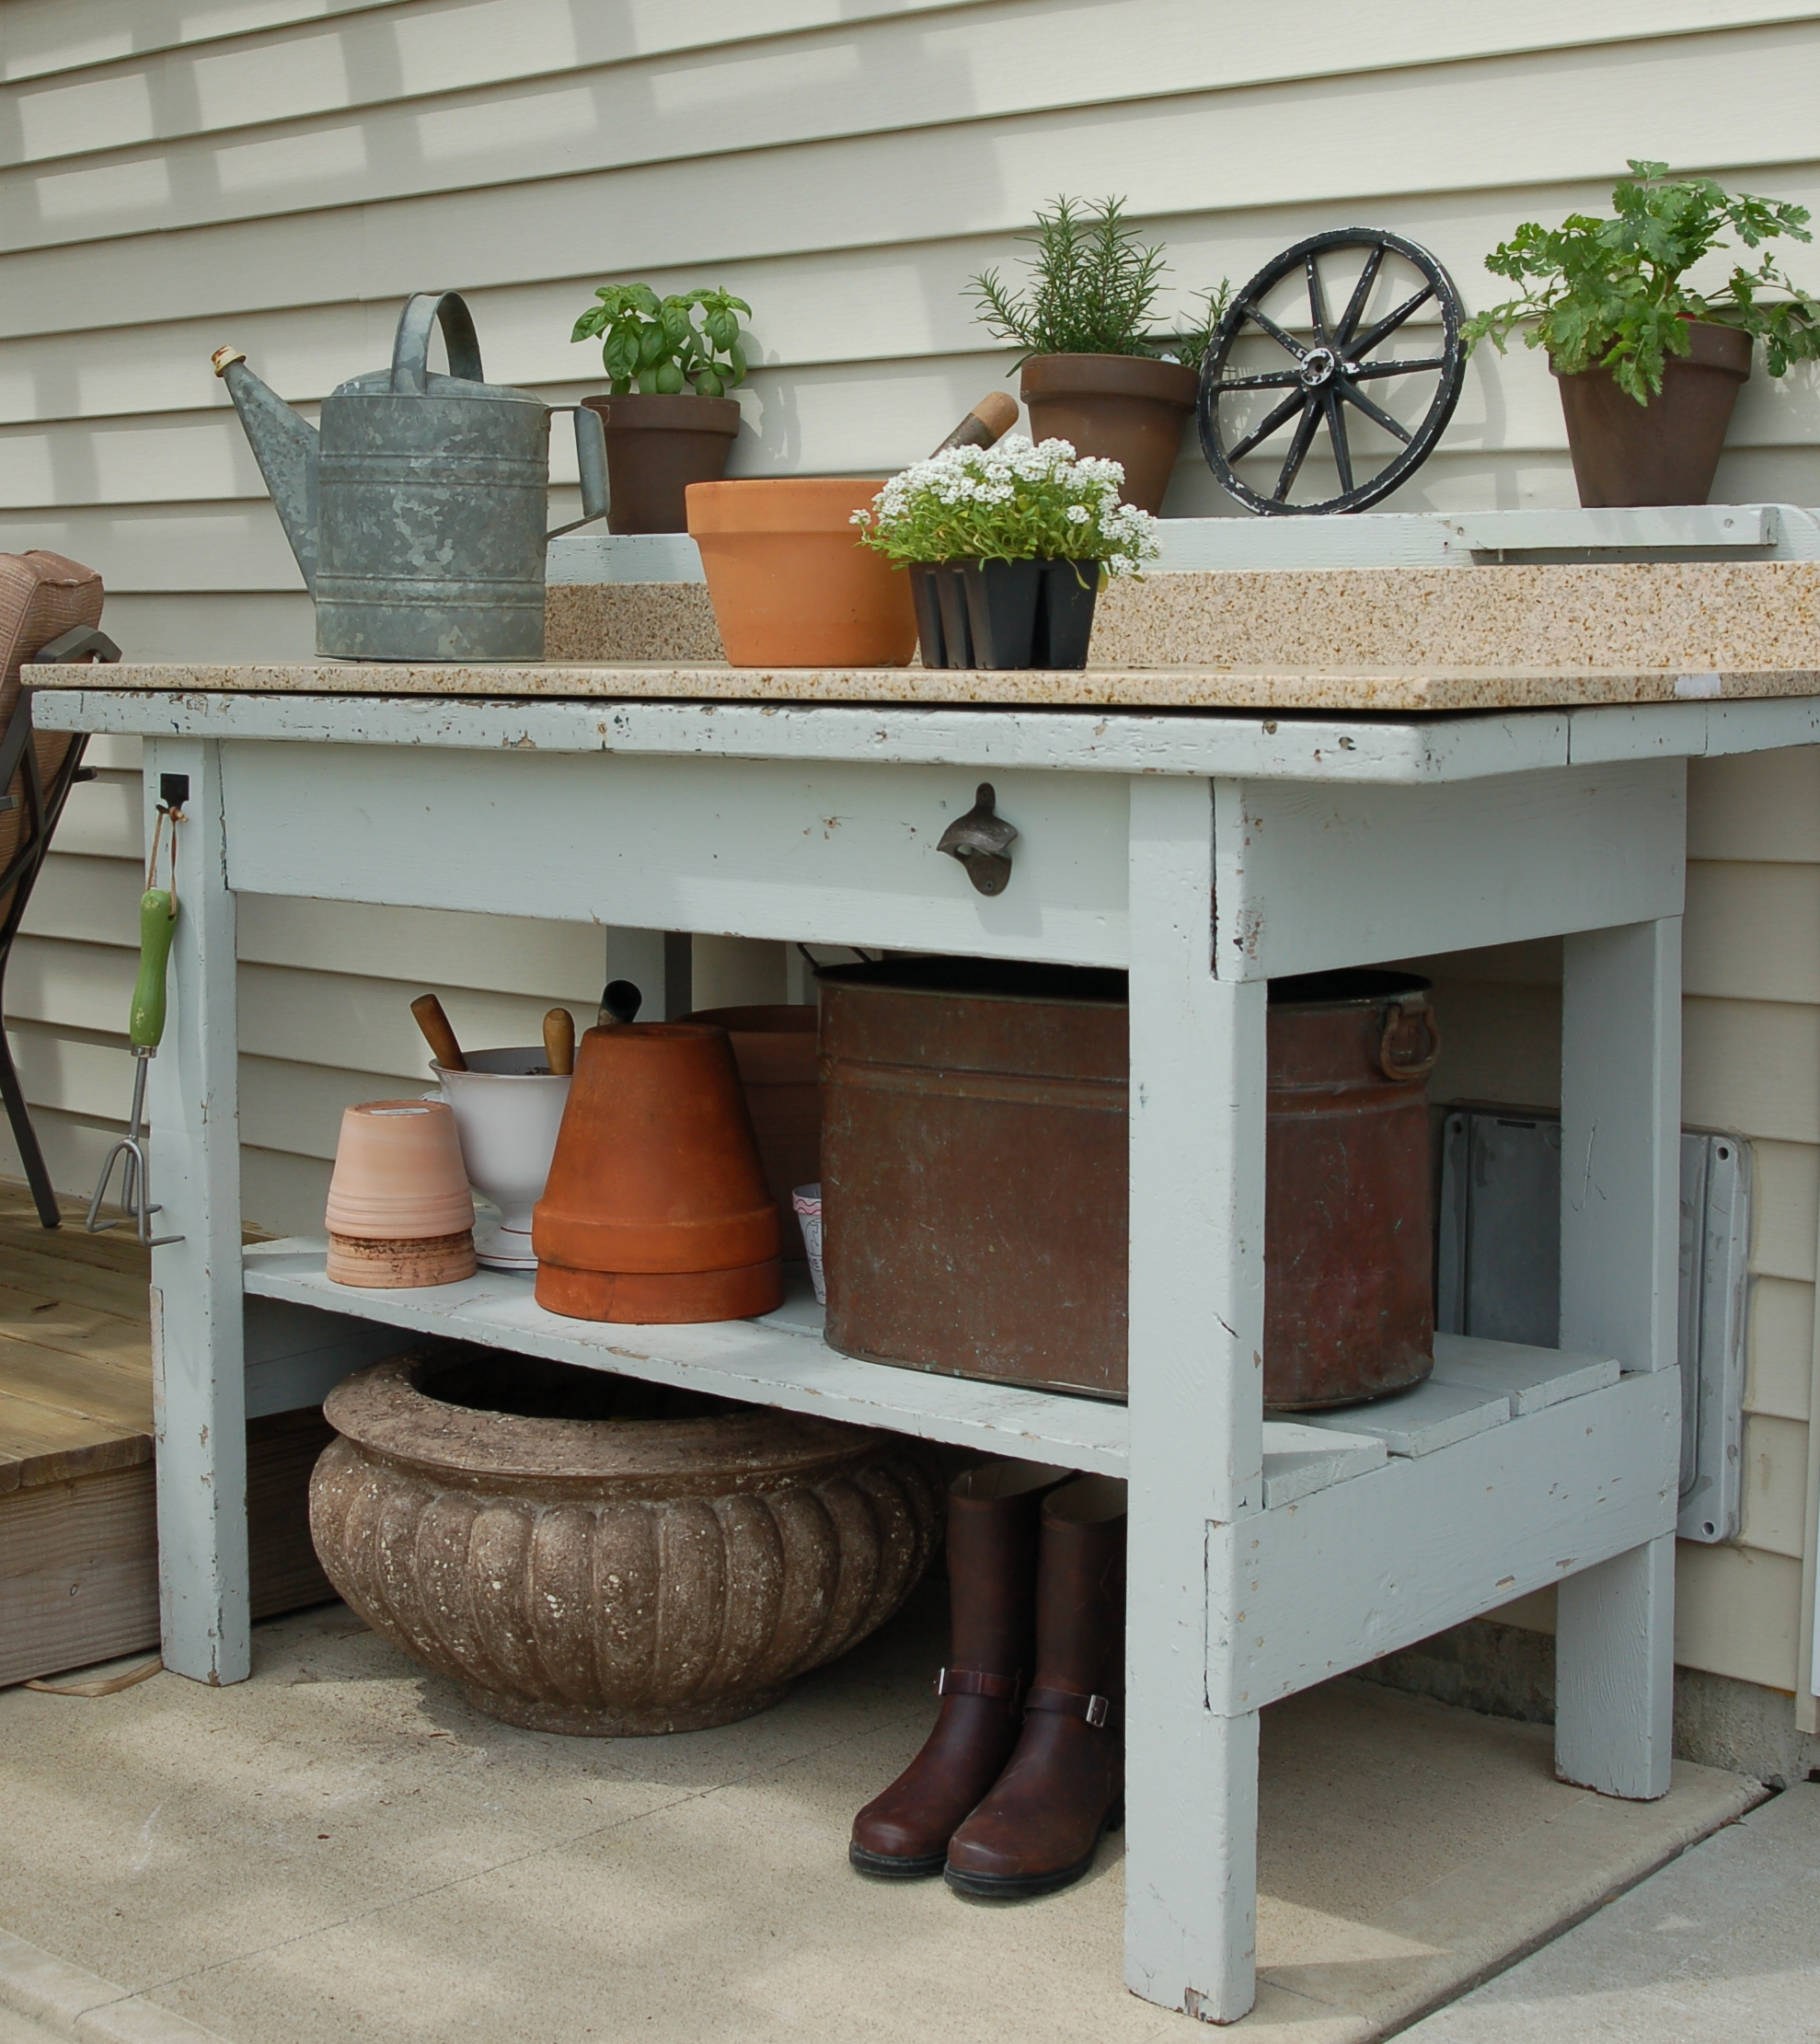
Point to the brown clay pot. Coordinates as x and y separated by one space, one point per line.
399 1211
791 584
586 1553
656 1208
1128 409
775 1050
655 447
1666 451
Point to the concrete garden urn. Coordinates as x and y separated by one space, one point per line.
583 1553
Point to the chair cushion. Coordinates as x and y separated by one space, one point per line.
42 596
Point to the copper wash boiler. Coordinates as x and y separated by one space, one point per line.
974 1176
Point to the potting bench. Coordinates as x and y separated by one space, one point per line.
1205 850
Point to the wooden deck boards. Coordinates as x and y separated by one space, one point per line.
76 1348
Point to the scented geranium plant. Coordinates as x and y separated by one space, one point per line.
1010 502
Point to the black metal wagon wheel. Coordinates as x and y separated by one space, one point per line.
1335 382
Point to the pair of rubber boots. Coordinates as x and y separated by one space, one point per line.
1025 1768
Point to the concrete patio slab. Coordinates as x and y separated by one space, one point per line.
1723 1943
341 1852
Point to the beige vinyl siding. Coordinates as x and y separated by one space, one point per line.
279 174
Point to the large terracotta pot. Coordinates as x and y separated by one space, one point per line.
1129 409
399 1212
656 446
791 584
774 1048
656 1208
1666 451
586 1553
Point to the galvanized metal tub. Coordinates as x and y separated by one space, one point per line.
975 1177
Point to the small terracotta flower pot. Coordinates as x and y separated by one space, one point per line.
775 1050
399 1212
791 584
656 446
656 1210
1666 451
1129 409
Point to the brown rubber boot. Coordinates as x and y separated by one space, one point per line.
993 1518
1064 1785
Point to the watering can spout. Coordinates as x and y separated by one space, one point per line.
285 445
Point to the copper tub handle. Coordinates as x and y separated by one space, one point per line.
1421 1068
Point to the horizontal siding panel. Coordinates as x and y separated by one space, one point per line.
1092 101
72 986
74 1150
435 947
1752 931
42 36
1752 1066
1785 1210
1781 1342
298 1108
366 1025
104 818
169 549
1775 1484
1760 806
281 1194
211 627
1737 1612
87 1076
93 901
1499 1041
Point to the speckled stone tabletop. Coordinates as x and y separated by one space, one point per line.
1184 687
1368 639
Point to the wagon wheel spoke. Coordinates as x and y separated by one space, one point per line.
1269 379
1375 412
1391 320
1317 304
1355 305
1298 449
1290 405
1336 433
1395 367
1277 334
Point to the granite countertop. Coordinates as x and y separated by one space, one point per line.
1185 687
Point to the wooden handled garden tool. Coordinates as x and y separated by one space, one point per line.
145 1029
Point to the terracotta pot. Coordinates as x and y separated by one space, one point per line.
655 447
508 1106
775 1050
586 1553
1666 451
399 1211
791 584
656 1208
1129 409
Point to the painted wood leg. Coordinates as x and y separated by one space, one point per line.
1197 1157
197 1336
1620 1137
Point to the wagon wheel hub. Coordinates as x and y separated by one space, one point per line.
1323 389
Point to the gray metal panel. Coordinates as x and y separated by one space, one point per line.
1498 1276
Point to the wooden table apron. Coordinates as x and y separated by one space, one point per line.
1205 854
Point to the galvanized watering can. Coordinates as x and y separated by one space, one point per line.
416 514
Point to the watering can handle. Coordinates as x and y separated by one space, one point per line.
591 460
410 351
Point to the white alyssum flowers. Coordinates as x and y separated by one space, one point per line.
1011 501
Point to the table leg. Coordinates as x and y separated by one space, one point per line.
1621 1137
1197 1154
197 1333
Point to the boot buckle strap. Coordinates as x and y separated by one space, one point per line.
1070 1703
972 1681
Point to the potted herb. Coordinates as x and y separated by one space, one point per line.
1093 374
1649 367
1006 547
669 420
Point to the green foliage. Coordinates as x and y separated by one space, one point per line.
1610 292
659 345
1192 344
1091 286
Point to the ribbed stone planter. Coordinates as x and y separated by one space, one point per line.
585 1553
